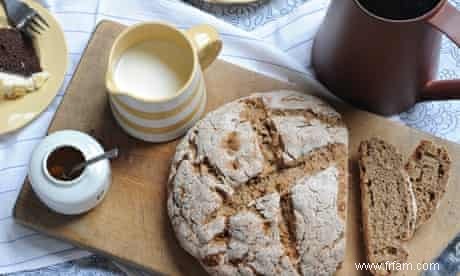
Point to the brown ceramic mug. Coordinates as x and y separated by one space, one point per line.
384 65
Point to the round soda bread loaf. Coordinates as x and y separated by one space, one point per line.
258 187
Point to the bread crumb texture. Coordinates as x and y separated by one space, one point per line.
388 202
258 187
428 169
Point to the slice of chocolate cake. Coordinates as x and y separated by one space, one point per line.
20 70
17 53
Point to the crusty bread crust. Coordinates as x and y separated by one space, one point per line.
258 187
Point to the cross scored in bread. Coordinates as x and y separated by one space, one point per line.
258 187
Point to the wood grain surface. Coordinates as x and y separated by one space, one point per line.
131 224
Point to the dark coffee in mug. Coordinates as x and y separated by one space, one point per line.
399 9
381 65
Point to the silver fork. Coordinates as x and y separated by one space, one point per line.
24 18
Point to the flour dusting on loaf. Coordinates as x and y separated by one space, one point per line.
258 187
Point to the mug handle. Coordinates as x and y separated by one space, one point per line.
446 20
207 43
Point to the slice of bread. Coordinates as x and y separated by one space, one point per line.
428 169
388 203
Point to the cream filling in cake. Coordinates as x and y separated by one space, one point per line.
13 86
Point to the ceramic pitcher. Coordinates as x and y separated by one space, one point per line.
382 65
165 119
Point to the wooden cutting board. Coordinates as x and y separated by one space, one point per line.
131 224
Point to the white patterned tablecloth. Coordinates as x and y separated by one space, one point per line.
260 19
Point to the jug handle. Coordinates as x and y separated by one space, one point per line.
207 43
446 20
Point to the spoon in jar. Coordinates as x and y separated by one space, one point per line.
80 166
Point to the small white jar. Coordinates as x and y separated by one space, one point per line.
74 196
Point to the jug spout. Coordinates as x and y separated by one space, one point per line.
112 88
